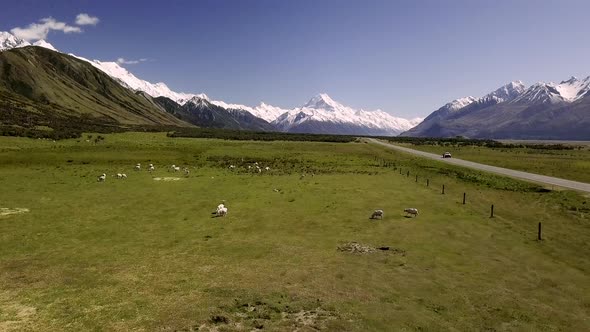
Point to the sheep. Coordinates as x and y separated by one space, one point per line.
232 166
172 168
413 211
102 178
377 214
151 168
267 168
222 212
177 168
186 171
138 167
123 175
119 176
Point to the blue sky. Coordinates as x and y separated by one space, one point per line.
405 57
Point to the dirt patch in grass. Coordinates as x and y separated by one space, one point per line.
358 248
278 314
14 316
9 211
167 178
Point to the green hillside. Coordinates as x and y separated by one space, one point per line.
40 87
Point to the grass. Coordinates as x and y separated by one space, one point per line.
566 164
140 254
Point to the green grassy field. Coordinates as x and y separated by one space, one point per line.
566 164
146 255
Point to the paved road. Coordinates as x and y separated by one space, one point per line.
548 180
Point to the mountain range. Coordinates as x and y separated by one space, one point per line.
513 111
41 86
319 115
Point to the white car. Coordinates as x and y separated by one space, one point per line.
446 155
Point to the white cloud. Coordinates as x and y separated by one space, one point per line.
36 31
123 61
85 19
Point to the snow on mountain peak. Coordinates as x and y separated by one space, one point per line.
197 100
322 101
506 92
8 41
573 89
130 81
44 44
569 91
323 109
571 80
459 103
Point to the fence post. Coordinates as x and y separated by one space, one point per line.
492 211
427 182
408 174
539 235
464 198
443 190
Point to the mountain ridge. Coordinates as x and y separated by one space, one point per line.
541 111
385 123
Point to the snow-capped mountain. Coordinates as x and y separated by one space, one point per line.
113 69
543 110
322 114
506 92
458 104
130 81
567 91
264 111
8 41
573 89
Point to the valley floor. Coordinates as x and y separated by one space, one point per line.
142 255
566 164
549 181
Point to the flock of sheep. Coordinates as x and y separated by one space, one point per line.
221 208
151 168
379 214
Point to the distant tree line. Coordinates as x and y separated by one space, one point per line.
463 141
51 125
258 135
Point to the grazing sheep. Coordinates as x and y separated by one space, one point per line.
151 168
413 211
232 166
249 167
123 176
377 214
102 178
119 176
267 168
222 212
138 167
